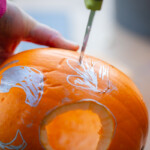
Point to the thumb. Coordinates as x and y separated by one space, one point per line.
44 35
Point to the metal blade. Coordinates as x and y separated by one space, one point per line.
86 36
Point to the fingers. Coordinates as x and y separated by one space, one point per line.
44 35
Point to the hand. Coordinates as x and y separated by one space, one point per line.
17 26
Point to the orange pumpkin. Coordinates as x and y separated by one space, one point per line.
50 101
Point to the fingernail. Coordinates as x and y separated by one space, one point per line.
75 45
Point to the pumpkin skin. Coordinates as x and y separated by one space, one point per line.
58 83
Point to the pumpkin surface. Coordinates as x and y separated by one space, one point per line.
50 101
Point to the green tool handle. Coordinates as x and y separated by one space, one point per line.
93 4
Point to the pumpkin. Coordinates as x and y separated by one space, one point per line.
50 101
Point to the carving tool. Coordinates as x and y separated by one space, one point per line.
93 5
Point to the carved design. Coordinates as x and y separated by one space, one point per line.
27 78
87 78
21 146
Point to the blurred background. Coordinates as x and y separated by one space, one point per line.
120 33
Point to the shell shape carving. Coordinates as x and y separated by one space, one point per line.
13 145
86 77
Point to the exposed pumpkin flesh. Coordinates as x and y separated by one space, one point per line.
74 130
78 126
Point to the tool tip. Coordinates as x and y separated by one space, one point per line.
80 60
